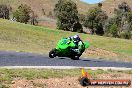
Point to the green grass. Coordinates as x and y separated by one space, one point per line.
27 38
7 75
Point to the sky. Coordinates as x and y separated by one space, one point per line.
92 1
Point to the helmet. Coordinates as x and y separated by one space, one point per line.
76 38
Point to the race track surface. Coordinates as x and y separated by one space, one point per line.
28 59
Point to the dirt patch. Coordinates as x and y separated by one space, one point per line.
104 54
21 83
66 82
48 24
99 52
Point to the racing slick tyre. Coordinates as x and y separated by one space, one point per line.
75 57
52 53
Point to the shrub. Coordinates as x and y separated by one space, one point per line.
4 12
114 30
22 14
125 35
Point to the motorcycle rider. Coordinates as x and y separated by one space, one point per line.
78 43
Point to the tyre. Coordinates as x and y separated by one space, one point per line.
75 57
84 81
52 53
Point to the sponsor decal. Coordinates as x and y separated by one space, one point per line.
85 80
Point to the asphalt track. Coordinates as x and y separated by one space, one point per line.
8 58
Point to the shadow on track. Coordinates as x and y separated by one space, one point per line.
83 60
91 60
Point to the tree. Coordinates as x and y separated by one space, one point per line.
22 14
33 18
43 11
77 27
130 20
81 18
124 12
124 7
4 12
95 19
67 15
120 24
100 5
114 30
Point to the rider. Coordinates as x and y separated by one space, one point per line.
77 41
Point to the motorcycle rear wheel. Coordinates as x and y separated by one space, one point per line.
75 57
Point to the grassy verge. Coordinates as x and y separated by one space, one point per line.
8 75
26 38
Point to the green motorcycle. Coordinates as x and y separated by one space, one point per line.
66 48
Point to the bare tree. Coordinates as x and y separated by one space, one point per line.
33 18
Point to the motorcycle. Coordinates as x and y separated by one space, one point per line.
65 48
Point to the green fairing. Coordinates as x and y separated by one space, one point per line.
86 44
63 44
66 48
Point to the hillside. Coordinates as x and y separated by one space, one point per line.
17 36
38 5
48 5
109 5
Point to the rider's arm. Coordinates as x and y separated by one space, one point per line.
80 45
69 40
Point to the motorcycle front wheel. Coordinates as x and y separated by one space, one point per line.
52 53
